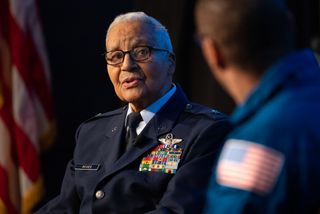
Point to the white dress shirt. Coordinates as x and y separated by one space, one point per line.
148 113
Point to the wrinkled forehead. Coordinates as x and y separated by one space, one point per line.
128 34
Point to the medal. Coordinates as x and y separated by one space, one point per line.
163 158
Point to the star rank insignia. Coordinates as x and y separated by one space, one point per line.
163 158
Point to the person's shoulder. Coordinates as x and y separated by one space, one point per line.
106 115
204 111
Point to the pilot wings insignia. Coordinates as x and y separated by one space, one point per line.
169 140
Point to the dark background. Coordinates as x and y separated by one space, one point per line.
75 31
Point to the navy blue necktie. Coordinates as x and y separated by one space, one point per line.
133 121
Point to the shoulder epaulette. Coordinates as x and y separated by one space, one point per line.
203 110
106 114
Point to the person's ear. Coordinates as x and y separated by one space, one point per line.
212 53
172 65
172 59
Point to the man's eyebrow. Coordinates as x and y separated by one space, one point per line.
135 42
133 46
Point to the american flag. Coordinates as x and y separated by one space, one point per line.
249 166
26 116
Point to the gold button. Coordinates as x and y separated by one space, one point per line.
99 194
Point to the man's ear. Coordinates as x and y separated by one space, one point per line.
212 53
172 66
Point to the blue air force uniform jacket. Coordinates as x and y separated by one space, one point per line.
100 179
271 160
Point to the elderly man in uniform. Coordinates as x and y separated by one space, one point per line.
154 155
270 162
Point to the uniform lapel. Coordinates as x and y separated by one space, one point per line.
160 124
166 118
115 140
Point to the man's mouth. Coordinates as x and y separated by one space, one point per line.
131 82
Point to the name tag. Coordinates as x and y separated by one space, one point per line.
94 167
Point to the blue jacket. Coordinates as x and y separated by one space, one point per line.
100 179
271 160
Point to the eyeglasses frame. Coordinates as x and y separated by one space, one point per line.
130 52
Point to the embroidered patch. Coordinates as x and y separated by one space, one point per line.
163 158
249 166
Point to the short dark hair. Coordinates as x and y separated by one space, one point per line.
252 33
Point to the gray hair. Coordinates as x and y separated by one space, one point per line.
159 29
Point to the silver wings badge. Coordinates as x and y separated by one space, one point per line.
169 140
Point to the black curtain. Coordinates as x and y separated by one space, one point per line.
75 33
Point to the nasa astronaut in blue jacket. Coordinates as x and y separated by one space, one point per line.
270 162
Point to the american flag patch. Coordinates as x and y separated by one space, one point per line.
249 166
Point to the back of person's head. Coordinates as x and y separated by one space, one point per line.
160 31
251 33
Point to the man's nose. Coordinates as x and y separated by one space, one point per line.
128 63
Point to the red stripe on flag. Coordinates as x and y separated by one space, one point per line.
23 152
27 155
30 67
4 192
6 117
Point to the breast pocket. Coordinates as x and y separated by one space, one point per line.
158 181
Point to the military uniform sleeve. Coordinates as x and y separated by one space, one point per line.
67 201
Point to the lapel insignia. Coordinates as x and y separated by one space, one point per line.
114 129
169 140
163 158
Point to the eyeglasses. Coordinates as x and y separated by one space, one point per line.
138 54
